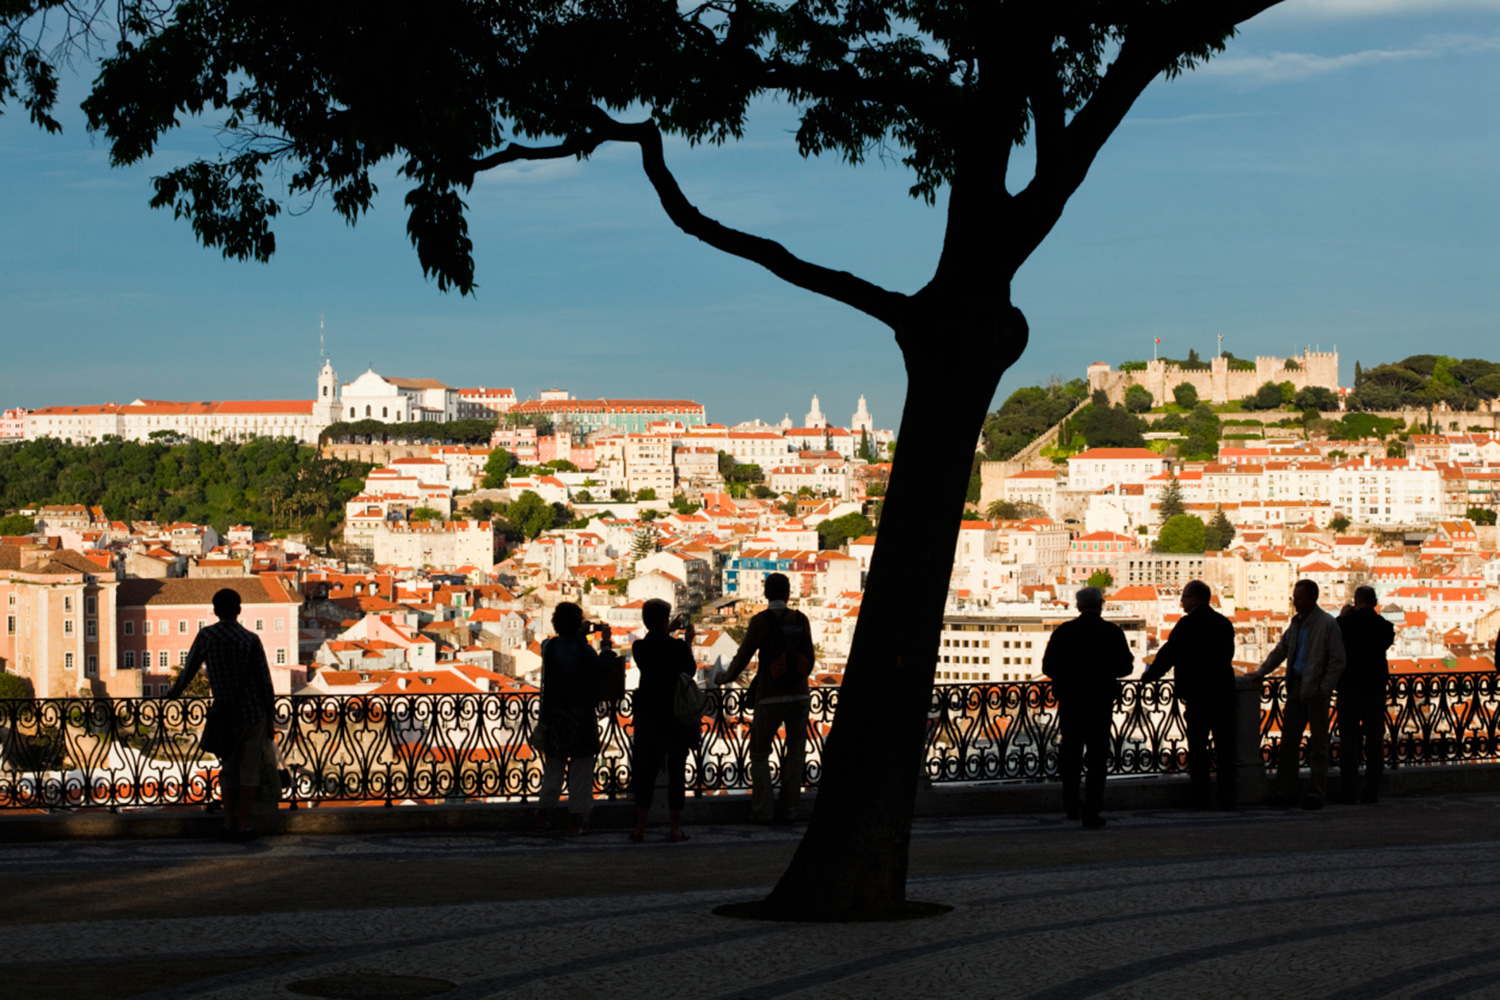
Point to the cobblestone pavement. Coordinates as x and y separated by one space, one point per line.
1263 904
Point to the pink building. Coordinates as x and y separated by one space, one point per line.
1087 554
519 441
562 445
13 424
158 620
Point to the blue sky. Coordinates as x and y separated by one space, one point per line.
1332 179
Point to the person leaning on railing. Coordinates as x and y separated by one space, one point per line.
1086 656
240 681
1313 651
782 639
1362 696
1201 648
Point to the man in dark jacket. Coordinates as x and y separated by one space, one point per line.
1201 647
1362 695
1085 659
782 638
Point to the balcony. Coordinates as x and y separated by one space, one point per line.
64 756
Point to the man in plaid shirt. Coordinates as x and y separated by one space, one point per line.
241 684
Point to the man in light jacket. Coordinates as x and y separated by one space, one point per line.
1313 651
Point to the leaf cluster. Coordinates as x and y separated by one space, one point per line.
268 483
1423 380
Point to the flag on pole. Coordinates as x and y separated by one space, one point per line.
1158 340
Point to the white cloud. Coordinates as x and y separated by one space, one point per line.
1308 9
1279 67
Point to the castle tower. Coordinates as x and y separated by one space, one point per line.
815 416
862 421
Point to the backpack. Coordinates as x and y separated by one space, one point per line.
782 649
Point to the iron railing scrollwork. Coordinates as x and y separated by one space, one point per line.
384 749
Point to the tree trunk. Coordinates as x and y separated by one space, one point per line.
852 863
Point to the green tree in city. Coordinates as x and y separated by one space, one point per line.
835 531
646 494
1267 397
1138 400
13 686
530 514
16 524
425 514
1218 533
1185 395
1316 397
1171 504
1101 578
1480 515
1113 427
1339 525
1182 533
497 469
311 105
642 542
1203 429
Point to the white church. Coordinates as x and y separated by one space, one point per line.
369 397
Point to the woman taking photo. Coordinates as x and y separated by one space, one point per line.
571 672
659 738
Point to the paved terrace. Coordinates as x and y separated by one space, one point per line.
1393 900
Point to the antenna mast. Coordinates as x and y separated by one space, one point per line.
322 355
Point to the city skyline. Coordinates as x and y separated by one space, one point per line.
1327 181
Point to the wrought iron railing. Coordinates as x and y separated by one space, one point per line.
387 749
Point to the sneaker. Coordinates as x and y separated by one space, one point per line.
1313 802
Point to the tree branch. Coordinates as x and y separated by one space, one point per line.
1152 44
869 298
579 145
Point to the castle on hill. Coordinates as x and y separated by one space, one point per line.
1218 383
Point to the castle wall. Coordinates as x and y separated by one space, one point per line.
1217 384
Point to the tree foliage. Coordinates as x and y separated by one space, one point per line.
835 531
16 524
1185 395
13 686
372 431
1005 510
1339 524
1183 533
1112 427
1138 400
1218 533
425 514
1171 503
1026 414
268 483
1101 578
497 469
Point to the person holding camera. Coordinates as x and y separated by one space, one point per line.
568 717
659 737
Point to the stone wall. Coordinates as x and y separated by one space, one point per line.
1217 383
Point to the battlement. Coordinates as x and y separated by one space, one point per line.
1218 383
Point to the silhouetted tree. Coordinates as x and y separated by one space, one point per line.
952 85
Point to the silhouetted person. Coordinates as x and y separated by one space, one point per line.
659 737
1313 651
1085 658
782 639
241 685
1201 649
1362 696
571 671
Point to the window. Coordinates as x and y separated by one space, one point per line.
281 657
91 629
91 605
146 627
200 624
67 604
67 626
161 659
67 661
10 599
280 624
163 627
10 624
91 666
260 624
182 626
129 659
129 627
182 658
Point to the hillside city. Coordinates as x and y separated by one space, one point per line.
411 536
